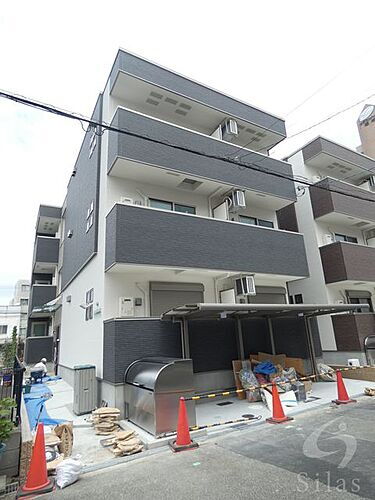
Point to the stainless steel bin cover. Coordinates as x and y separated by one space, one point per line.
161 374
370 342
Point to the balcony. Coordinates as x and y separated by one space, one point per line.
168 166
46 254
41 295
48 220
159 92
348 262
337 161
332 207
148 237
351 330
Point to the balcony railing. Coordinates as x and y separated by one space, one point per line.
139 235
326 198
125 149
343 261
351 330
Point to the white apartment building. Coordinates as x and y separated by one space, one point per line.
15 313
339 233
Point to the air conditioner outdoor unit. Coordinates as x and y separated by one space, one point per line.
229 129
245 285
238 200
126 200
328 239
126 307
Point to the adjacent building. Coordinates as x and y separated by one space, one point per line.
337 218
160 215
15 313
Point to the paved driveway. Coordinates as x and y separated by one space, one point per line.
325 453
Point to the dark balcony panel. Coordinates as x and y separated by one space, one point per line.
194 163
49 211
347 261
46 250
154 74
351 330
321 145
137 235
40 295
287 218
325 199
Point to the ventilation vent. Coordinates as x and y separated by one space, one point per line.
250 130
180 112
152 101
361 224
171 101
155 94
185 106
189 184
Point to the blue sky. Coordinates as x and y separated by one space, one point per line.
271 54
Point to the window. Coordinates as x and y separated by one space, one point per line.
90 217
298 299
360 297
92 143
3 329
256 222
344 237
174 207
38 329
89 312
24 288
24 302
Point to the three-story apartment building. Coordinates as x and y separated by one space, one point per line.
337 218
159 214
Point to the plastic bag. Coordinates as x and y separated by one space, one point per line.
249 381
68 471
326 373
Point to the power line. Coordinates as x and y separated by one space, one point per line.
105 126
342 71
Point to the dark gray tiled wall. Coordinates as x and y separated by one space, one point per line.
176 83
83 188
144 236
138 149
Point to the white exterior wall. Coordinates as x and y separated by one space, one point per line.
313 289
9 316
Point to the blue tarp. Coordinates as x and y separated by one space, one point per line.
38 395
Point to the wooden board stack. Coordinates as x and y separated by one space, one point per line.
105 420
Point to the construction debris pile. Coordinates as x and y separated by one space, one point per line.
124 443
106 423
105 420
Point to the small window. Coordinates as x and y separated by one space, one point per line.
170 205
24 288
89 311
93 141
344 237
256 222
90 217
184 209
3 329
24 302
355 300
298 299
164 205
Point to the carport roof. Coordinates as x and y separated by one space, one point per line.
242 311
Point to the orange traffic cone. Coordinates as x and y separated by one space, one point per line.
37 480
183 440
342 395
278 415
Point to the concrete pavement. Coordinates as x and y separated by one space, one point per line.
325 453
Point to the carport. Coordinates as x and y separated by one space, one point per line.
239 312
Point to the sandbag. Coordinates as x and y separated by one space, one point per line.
68 472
